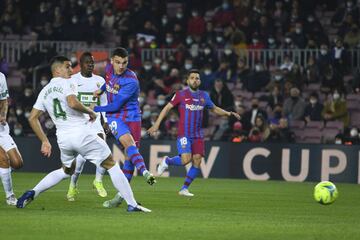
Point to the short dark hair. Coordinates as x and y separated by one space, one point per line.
120 52
193 71
58 60
84 55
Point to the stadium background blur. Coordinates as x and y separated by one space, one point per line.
281 55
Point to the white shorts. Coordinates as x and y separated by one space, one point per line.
84 142
96 127
6 141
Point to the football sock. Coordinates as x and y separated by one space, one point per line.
80 162
5 175
121 184
128 169
175 161
100 171
191 175
136 158
50 180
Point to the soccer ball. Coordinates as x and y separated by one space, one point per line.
325 192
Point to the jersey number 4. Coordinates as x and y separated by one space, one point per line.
58 111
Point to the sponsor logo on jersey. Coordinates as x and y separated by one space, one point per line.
111 90
193 107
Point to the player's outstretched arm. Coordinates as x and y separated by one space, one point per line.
36 127
3 111
75 104
222 112
158 121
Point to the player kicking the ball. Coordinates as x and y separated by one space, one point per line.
87 83
190 142
74 135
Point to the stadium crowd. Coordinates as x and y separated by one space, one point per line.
269 97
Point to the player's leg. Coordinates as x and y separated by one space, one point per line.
98 152
50 180
73 190
100 171
198 153
5 176
123 134
184 157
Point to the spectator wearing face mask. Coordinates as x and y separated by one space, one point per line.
224 15
352 38
351 136
257 79
298 36
313 109
18 130
324 59
230 57
339 56
342 12
207 77
225 72
287 42
208 57
254 47
311 71
196 24
250 115
335 109
331 80
275 98
281 133
294 106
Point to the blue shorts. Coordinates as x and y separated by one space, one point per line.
191 145
119 128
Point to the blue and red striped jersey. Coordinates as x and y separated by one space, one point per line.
122 95
191 105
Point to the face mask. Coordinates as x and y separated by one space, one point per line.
336 96
225 6
43 82
323 52
255 41
169 40
219 39
194 53
141 100
298 30
237 103
27 93
207 71
161 102
74 20
313 101
194 14
157 61
164 67
146 114
89 11
188 66
207 51
27 114
278 77
257 68
271 40
288 40
310 19
147 67
227 51
17 131
189 40
19 112
338 141
141 43
349 4
164 21
179 15
353 132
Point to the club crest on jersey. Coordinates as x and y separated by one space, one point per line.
113 90
98 84
202 100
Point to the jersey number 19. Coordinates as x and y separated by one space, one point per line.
58 111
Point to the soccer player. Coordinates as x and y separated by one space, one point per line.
123 114
9 153
74 135
87 84
190 142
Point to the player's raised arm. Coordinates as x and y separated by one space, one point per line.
158 121
222 112
120 99
36 127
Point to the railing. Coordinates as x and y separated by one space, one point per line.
12 50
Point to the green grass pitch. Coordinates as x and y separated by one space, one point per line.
221 209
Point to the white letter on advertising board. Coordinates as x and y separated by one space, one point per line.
248 160
326 170
304 167
207 166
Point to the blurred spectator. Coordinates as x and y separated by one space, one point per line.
335 109
352 38
196 24
221 96
261 131
250 116
108 19
238 135
343 12
311 71
298 36
4 66
324 59
313 109
351 137
258 79
207 78
281 132
339 57
224 15
331 80
275 97
294 106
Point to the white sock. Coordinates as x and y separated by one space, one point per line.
5 175
80 162
50 180
121 184
100 171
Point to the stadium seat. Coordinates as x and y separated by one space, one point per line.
297 124
315 125
334 125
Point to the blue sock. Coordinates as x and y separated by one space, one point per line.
136 158
128 169
191 175
176 161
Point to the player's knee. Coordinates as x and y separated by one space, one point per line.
108 163
69 171
185 159
16 161
197 161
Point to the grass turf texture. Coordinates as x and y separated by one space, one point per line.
221 209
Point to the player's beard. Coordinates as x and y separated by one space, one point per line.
194 88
